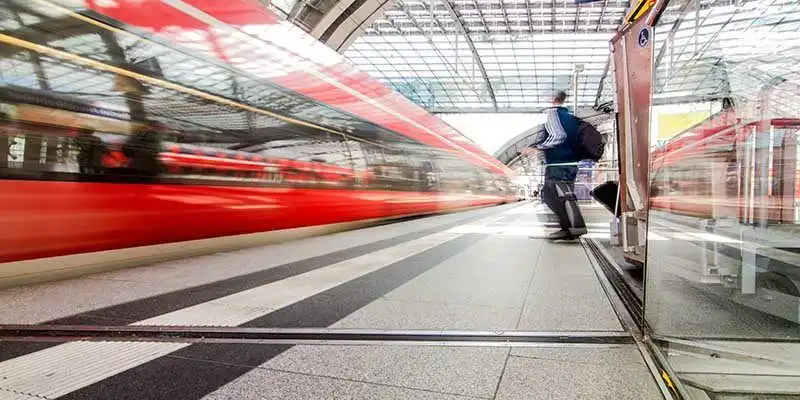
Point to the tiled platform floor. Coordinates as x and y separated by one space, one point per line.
477 270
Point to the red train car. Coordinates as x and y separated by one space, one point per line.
131 140
730 166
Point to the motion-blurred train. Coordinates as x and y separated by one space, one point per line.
738 169
730 167
117 136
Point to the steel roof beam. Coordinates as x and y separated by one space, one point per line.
602 15
474 50
505 17
528 12
418 26
602 81
606 29
608 61
437 22
672 31
47 30
418 7
480 15
41 77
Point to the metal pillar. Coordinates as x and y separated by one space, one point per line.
632 51
575 91
577 71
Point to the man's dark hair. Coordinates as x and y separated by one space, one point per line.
560 97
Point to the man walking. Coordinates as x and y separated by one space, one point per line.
561 131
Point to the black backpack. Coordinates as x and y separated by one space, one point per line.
589 144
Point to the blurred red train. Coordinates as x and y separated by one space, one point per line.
730 166
122 155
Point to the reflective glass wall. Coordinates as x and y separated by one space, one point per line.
722 285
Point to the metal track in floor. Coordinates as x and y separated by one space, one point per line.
630 311
633 304
198 334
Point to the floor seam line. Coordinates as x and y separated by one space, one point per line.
367 382
250 367
528 289
502 373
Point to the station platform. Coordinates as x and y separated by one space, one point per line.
445 284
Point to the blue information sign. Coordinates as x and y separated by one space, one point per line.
644 37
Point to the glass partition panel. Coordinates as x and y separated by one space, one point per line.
722 288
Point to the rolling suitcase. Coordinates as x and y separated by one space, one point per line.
565 205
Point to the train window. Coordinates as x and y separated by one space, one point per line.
400 169
90 45
358 158
197 72
68 78
34 150
19 69
133 131
455 175
16 150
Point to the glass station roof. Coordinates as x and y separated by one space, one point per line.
489 55
715 49
734 49
745 52
511 55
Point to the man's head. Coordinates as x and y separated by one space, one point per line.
559 98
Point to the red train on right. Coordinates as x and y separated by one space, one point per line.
731 167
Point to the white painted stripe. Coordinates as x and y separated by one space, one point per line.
241 307
62 369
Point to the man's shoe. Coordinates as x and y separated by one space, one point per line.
577 232
559 235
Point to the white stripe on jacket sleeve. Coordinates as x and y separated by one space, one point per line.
555 131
